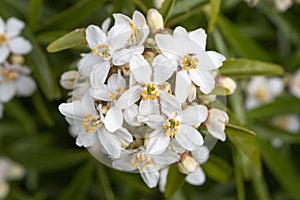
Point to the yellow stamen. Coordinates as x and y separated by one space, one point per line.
101 50
150 92
172 127
91 123
3 38
189 62
8 75
140 160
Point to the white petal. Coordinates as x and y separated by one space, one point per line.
163 179
101 93
151 176
94 36
155 121
149 107
199 36
99 74
141 24
121 19
130 115
201 154
86 64
276 86
251 102
196 178
188 137
169 46
169 103
194 115
123 163
182 85
20 46
105 25
25 86
113 119
166 158
117 37
110 143
203 79
217 58
163 68
124 56
115 82
123 134
180 32
14 27
7 91
4 189
140 68
129 97
158 142
216 133
206 61
4 52
87 139
2 26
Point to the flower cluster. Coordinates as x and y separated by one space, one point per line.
15 78
142 94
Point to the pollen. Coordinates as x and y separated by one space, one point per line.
150 92
91 123
112 96
189 61
141 161
135 33
132 26
3 38
171 126
8 75
102 50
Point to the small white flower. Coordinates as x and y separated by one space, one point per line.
89 123
146 163
216 122
192 62
283 5
294 84
263 90
10 41
289 123
15 80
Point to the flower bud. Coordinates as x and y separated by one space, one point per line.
155 21
17 59
227 83
67 79
4 189
187 164
216 122
158 3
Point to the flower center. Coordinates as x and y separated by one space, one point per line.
261 94
8 75
91 123
189 61
150 91
283 122
116 95
141 161
3 38
298 84
171 126
102 50
134 37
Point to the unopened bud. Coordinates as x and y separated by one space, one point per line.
227 83
158 3
192 93
67 79
149 56
155 21
17 59
187 164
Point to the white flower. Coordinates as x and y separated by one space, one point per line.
146 163
294 84
15 80
262 90
10 41
289 123
192 62
216 122
89 123
283 5
178 125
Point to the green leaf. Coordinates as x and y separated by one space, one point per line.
34 13
141 5
166 9
215 6
279 106
175 181
281 167
104 179
41 69
218 169
244 68
244 140
236 102
71 17
67 41
40 106
80 184
186 6
242 44
238 172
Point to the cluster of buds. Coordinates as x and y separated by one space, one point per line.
14 76
142 95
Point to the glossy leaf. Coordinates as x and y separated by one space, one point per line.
175 181
166 9
244 68
185 6
67 41
215 6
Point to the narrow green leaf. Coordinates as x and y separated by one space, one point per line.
141 5
42 109
218 169
79 186
281 106
166 9
34 13
242 44
175 181
48 37
236 101
281 167
41 69
67 41
244 68
238 172
71 17
215 6
106 187
260 186
244 140
185 6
